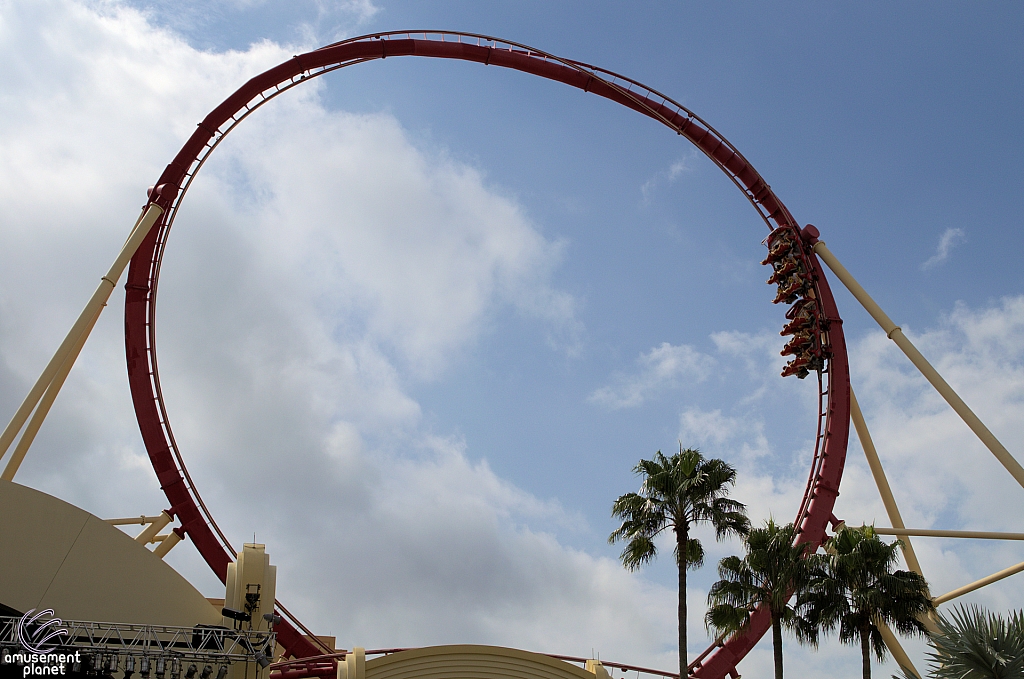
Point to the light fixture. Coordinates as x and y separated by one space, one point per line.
191 671
207 671
240 616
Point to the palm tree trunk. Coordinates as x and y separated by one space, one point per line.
865 651
682 536
777 643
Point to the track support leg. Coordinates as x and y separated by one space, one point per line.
895 333
45 390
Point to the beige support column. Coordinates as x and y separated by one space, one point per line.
881 481
141 520
868 445
894 646
894 333
355 663
938 533
146 536
597 669
1005 573
167 544
45 403
72 344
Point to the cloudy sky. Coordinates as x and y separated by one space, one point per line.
418 320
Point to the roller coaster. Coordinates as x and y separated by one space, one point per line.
287 649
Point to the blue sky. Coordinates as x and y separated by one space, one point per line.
437 311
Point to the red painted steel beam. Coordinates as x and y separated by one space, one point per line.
143 276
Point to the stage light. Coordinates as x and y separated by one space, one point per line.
222 672
273 619
207 671
240 616
191 671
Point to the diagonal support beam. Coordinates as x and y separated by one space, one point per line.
894 646
895 333
893 511
995 577
881 481
44 392
938 533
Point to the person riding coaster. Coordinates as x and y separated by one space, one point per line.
785 267
800 344
794 286
806 317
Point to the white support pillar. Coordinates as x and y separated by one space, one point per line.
995 577
888 499
147 535
881 481
50 381
895 333
167 544
938 533
894 646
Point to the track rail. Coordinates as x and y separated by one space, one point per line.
187 505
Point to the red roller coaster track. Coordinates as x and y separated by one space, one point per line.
815 511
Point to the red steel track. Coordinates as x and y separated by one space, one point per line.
815 511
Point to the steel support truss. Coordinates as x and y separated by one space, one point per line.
100 642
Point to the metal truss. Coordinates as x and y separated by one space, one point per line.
102 644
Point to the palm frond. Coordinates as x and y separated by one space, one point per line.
677 492
856 586
726 618
694 554
771 571
976 644
638 551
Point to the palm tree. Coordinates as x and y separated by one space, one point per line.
976 644
856 589
677 493
772 570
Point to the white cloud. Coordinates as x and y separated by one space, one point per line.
440 555
675 170
337 20
418 249
721 431
949 239
662 367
